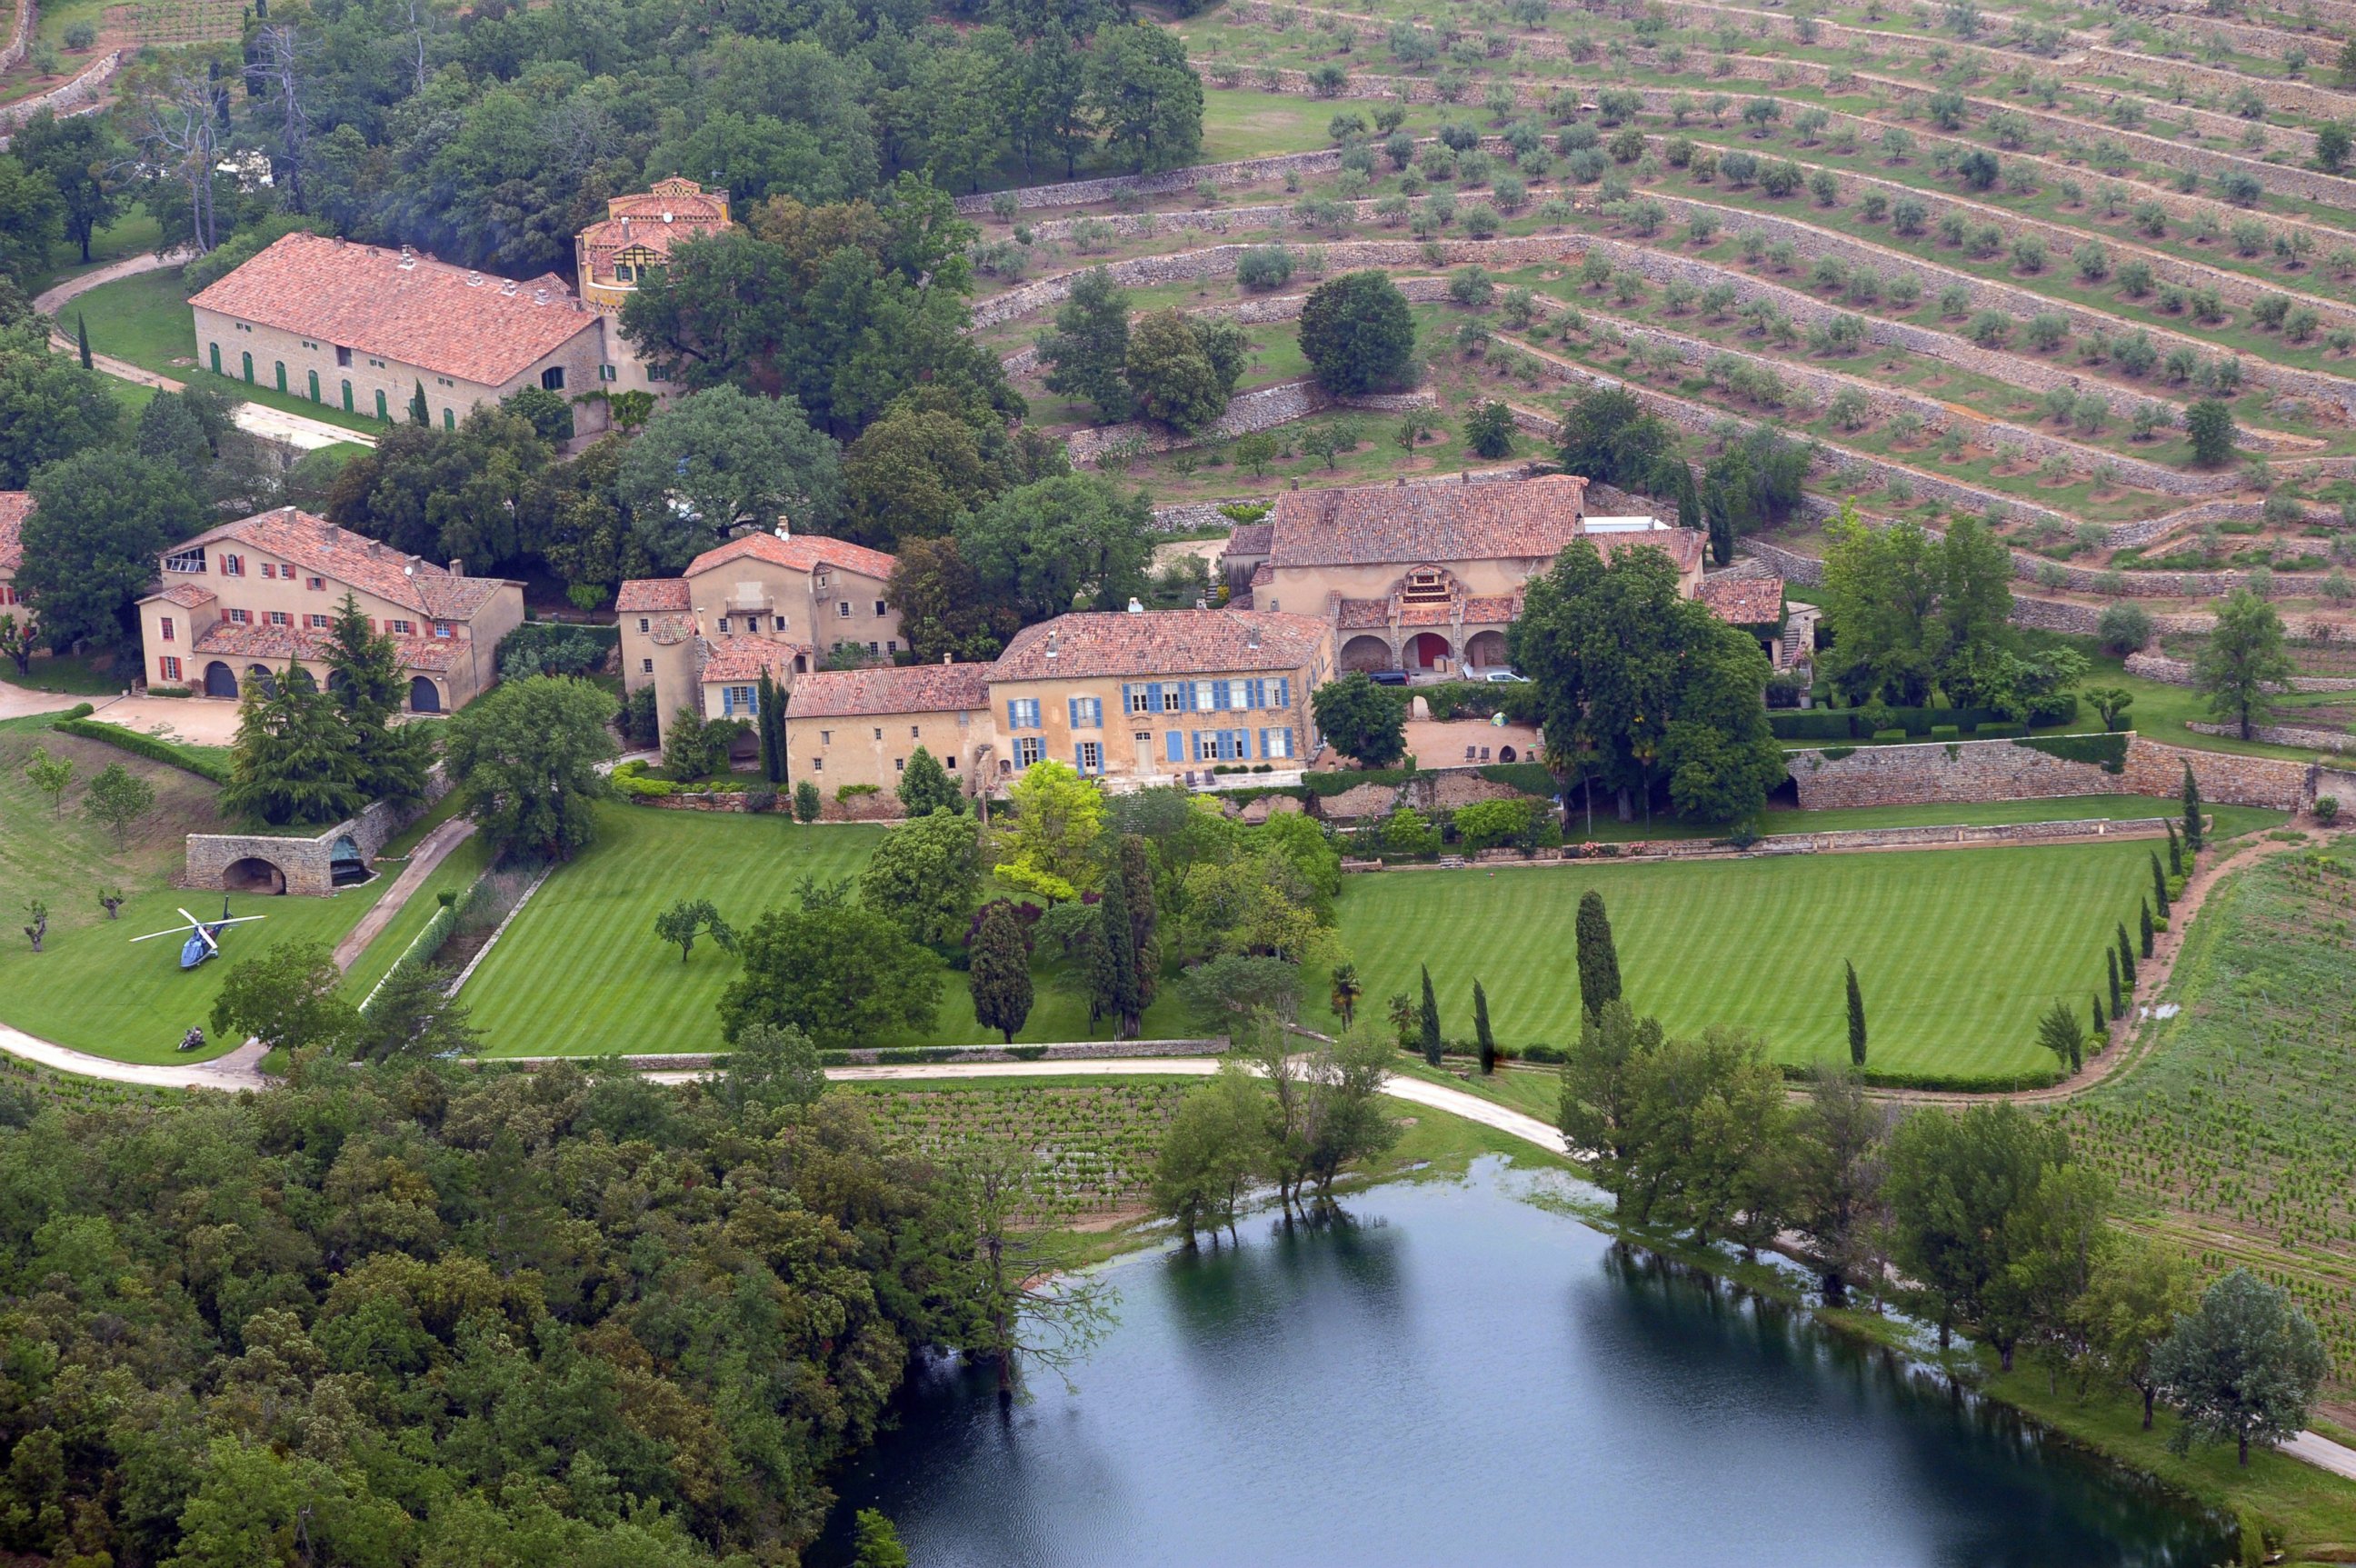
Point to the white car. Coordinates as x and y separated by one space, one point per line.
1503 677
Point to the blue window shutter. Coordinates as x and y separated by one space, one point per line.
1257 694
1014 719
1283 694
1128 705
1072 711
1243 745
1153 697
1174 747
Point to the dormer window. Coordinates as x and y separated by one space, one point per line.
1425 585
624 273
185 561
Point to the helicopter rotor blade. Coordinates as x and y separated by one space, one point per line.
191 918
174 932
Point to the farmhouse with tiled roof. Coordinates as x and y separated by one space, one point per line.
697 637
861 727
636 238
240 601
1427 577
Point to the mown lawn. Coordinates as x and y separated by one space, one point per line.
1958 951
2230 821
579 971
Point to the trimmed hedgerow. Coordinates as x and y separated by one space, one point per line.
146 745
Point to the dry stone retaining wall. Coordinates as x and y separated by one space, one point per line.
2285 735
20 35
306 863
76 97
1962 771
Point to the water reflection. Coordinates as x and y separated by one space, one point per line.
1455 1377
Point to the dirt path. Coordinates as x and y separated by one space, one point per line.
2151 979
429 854
240 1068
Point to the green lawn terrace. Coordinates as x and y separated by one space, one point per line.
1958 952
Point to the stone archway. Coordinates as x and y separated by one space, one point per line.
261 679
425 696
1505 754
252 874
1485 650
1427 650
221 680
1369 653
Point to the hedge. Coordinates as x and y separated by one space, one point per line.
1850 724
145 746
2109 750
1944 1082
1530 778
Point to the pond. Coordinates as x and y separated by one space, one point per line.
1458 1375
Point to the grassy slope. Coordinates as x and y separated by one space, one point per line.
1757 944
144 319
587 937
2231 821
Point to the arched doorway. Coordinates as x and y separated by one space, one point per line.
1427 650
425 696
1367 653
300 679
260 678
346 865
252 874
1505 754
220 679
1487 649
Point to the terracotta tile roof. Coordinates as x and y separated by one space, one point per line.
1682 545
1744 601
187 595
15 505
1480 609
1250 538
1409 524
1262 576
902 689
322 548
639 595
743 658
1159 643
801 552
427 314
1358 613
276 644
1493 607
659 218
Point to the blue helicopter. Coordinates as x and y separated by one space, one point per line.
203 936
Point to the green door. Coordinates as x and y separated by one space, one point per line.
315 387
249 368
348 397
380 407
217 358
280 365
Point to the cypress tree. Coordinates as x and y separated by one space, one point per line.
1487 1042
2175 852
2101 1029
2126 958
2159 886
2191 811
2111 962
1855 1017
81 336
1598 962
2147 929
1137 887
418 413
1113 969
998 974
1428 1020
771 699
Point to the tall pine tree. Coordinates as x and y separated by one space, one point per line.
1855 1017
365 684
294 763
1599 962
1428 1020
2126 958
1112 976
1481 1035
2192 811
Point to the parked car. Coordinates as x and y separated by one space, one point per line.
1503 677
1387 677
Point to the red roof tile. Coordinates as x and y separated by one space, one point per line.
743 658
670 211
801 552
15 505
277 644
1250 538
424 313
187 595
1159 643
641 596
902 689
341 556
1744 601
1408 524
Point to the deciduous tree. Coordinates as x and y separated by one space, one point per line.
833 968
1361 720
1058 818
119 798
2243 666
289 998
688 918
2244 1365
1087 352
923 876
100 519
524 757
1075 541
1357 334
719 460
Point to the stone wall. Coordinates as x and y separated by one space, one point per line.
2285 735
20 35
2337 784
1263 409
2178 672
1113 188
76 97
1964 771
306 863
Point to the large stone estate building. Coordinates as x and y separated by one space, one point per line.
1426 578
1141 697
778 602
366 328
241 601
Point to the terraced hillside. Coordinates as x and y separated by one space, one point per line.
1986 260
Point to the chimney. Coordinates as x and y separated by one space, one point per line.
1251 636
332 534
508 287
473 279
374 549
1136 605
784 528
944 658
457 567
540 296
1052 638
